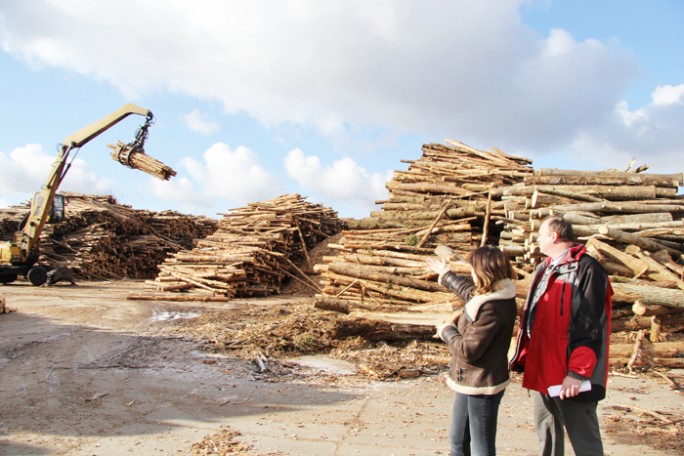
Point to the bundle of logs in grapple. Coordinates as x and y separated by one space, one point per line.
101 239
251 253
137 159
631 221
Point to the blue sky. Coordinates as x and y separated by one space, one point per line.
325 98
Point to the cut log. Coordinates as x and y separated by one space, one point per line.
649 295
137 159
638 323
659 349
644 243
386 277
634 265
376 331
672 363
325 302
662 272
175 297
639 308
575 177
607 192
645 218
614 208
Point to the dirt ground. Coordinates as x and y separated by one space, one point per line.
83 371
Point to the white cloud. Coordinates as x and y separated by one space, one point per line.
198 122
665 95
180 190
343 181
436 68
650 134
464 69
225 178
26 169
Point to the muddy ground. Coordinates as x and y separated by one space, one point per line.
83 371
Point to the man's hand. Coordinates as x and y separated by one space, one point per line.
570 387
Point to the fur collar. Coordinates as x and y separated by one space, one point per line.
503 289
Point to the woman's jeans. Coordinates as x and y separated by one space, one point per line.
473 424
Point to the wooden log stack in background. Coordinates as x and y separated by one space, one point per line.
102 239
448 196
253 250
620 208
450 184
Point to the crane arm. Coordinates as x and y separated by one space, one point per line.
42 201
93 130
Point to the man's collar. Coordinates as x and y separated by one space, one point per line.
562 256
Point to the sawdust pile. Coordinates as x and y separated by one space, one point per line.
224 443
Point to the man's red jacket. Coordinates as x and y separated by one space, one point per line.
566 330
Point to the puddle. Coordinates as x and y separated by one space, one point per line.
202 354
325 363
166 316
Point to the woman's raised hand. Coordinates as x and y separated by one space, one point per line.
438 265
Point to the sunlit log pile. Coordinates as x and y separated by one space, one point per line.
10 218
451 185
448 196
626 208
631 221
102 239
253 251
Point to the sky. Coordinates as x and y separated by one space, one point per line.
255 99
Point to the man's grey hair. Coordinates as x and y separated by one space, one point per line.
561 227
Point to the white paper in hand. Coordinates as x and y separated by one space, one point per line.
554 391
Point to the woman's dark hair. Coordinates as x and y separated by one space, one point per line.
489 265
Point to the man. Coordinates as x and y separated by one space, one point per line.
563 341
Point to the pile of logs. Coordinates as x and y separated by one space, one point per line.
624 207
10 218
101 239
448 186
448 196
251 253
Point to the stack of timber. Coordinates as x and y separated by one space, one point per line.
102 239
253 251
10 219
625 208
450 184
448 196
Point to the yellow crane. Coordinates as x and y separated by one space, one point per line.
18 257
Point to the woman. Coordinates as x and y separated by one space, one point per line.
478 342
